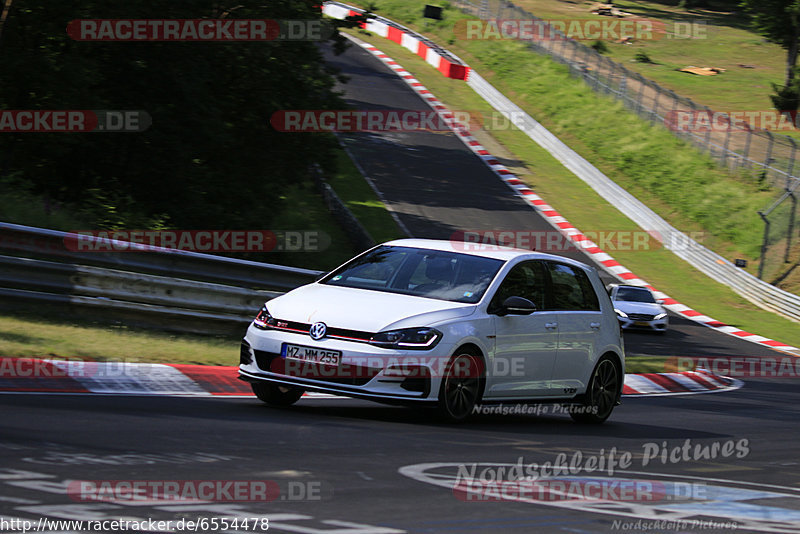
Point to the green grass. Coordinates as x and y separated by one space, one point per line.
588 211
304 211
27 336
725 41
362 201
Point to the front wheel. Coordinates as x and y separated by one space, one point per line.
602 394
461 387
277 395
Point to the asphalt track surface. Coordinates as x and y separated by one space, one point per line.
349 466
346 455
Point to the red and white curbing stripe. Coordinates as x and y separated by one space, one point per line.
448 67
30 375
684 383
605 260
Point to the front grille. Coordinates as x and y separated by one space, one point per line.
421 384
336 333
264 359
245 358
640 317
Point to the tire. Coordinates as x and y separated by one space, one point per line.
277 395
462 387
601 395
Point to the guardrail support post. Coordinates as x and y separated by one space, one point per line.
763 245
791 227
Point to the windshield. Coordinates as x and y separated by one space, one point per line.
420 272
634 294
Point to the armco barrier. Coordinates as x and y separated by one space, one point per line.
173 289
718 268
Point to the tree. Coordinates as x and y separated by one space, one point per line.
779 21
210 159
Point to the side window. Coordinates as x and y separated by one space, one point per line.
527 280
572 289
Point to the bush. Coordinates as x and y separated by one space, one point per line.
600 47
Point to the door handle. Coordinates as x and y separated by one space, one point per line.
551 326
595 326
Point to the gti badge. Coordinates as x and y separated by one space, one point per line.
317 330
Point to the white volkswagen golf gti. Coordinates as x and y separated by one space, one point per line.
418 321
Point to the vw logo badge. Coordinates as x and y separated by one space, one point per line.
317 330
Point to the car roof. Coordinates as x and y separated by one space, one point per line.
633 287
479 249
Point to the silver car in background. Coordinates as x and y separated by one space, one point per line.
636 307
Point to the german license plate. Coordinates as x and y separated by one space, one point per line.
311 354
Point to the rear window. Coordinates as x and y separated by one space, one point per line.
634 294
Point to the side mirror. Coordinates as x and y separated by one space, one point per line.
516 306
660 301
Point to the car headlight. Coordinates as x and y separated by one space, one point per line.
621 313
264 320
659 316
407 338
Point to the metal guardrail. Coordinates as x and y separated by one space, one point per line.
172 289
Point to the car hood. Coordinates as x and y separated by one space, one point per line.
649 308
363 309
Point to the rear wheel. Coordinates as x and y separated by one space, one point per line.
462 386
277 395
602 394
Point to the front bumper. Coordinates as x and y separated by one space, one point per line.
365 371
655 325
